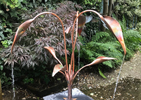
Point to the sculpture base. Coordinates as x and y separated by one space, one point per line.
76 94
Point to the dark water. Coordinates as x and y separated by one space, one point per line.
128 89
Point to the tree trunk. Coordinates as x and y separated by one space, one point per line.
105 10
0 91
110 7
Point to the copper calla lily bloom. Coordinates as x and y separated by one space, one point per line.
20 31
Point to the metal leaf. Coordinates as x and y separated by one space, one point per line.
96 61
88 19
82 20
68 30
115 27
21 29
52 51
100 60
56 69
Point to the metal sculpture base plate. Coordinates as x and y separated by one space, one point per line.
76 93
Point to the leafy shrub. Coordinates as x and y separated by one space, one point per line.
5 80
100 46
139 26
6 43
39 75
127 7
32 53
130 9
132 38
105 44
45 31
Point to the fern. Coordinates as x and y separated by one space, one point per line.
100 46
132 33
105 44
94 49
132 39
100 36
123 24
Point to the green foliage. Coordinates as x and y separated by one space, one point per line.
12 14
5 80
12 3
92 27
139 27
100 46
105 44
45 31
28 80
128 7
1 33
6 43
1 66
132 39
10 11
91 2
100 72
39 75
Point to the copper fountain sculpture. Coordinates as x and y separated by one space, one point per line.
68 70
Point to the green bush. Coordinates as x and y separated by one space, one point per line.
45 31
130 9
105 44
5 80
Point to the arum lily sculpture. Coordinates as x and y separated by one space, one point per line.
68 69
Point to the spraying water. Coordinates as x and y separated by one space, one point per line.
118 78
12 75
78 63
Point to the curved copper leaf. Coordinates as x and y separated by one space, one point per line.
56 69
21 29
88 19
96 61
52 51
82 20
100 60
68 30
115 27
